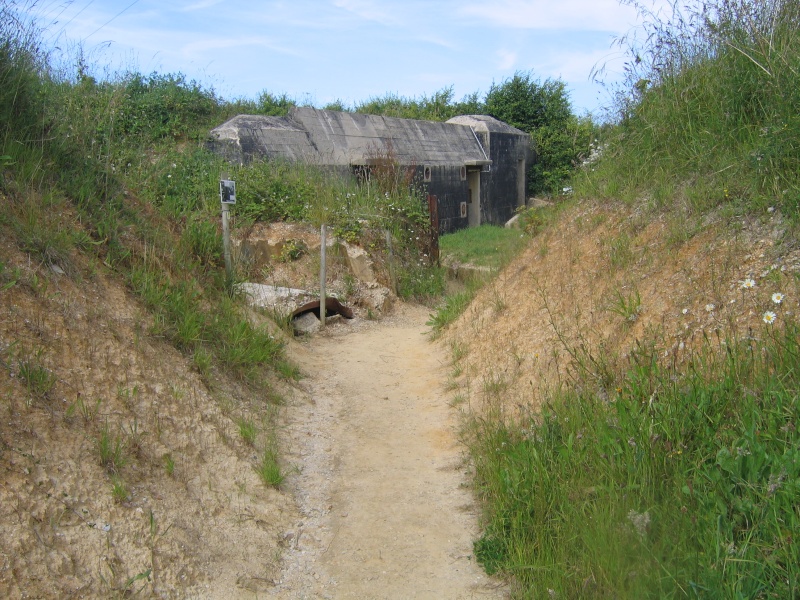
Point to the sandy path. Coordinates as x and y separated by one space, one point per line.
382 482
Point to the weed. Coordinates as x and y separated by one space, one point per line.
707 113
620 253
204 241
680 476
458 351
247 430
119 490
201 358
269 470
8 279
135 441
288 370
169 464
111 451
627 306
38 380
494 384
86 410
451 309
292 250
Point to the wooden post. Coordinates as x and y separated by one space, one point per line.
226 241
322 276
227 196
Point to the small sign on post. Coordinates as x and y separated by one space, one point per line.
227 191
227 196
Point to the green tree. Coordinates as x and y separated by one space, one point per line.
527 103
542 109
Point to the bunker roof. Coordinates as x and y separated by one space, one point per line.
343 138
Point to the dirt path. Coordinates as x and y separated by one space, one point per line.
382 485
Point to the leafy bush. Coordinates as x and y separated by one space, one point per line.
159 106
542 109
275 191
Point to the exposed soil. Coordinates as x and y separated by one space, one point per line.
192 517
382 483
586 292
375 505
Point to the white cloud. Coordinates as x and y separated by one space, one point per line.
192 49
507 59
574 66
589 15
367 10
201 5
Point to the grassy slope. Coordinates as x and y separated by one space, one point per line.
120 458
593 323
632 378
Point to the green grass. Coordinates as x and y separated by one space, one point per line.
169 464
111 450
484 246
248 430
38 379
119 489
269 469
684 483
708 115
451 308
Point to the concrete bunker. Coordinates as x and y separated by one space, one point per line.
474 165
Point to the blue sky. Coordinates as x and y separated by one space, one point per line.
318 51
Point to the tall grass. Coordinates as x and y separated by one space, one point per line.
709 111
682 483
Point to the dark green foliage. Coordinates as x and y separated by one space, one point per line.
561 140
527 103
161 106
438 107
275 191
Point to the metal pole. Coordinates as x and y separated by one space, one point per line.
322 277
226 241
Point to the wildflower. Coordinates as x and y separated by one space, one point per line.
640 521
685 311
777 297
748 283
769 317
710 307
775 482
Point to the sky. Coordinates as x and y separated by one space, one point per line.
321 51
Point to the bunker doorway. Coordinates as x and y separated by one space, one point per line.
474 197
